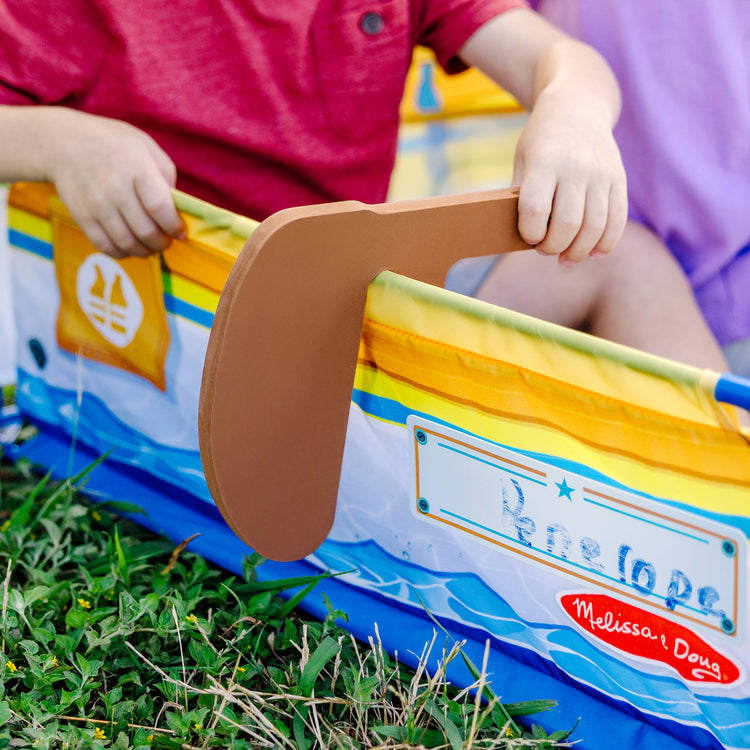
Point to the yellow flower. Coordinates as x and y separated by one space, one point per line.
84 604
192 618
150 738
240 669
508 732
5 526
96 515
99 734
54 661
11 666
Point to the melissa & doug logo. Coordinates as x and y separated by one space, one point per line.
649 636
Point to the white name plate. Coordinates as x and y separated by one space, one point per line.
687 567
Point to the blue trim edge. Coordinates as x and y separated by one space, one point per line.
733 389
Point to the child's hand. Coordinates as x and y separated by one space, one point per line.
573 193
115 181
573 197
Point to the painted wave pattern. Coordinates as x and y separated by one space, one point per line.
465 599
95 425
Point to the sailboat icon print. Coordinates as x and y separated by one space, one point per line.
109 299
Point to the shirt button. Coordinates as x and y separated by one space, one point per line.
371 23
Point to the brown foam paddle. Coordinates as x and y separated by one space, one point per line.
281 357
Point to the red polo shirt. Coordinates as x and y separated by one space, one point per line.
262 104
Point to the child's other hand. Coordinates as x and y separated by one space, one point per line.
573 197
573 193
116 182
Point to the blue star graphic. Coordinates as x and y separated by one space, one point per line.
565 490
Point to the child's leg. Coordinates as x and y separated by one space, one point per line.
637 296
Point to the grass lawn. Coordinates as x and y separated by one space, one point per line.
112 637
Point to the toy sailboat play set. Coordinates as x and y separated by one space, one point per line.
305 388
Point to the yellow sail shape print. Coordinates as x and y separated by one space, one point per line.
111 311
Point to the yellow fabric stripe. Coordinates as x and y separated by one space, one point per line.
517 392
203 264
29 224
560 353
195 294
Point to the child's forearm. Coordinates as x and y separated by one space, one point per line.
572 75
529 57
26 136
114 179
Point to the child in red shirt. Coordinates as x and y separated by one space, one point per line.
260 105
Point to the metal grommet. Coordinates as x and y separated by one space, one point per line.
728 548
372 23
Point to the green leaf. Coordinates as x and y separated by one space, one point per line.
203 654
177 723
295 600
449 728
112 698
120 506
284 584
298 728
431 738
562 734
526 708
88 668
76 618
76 479
4 713
22 515
34 593
394 732
326 650
121 560
136 551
